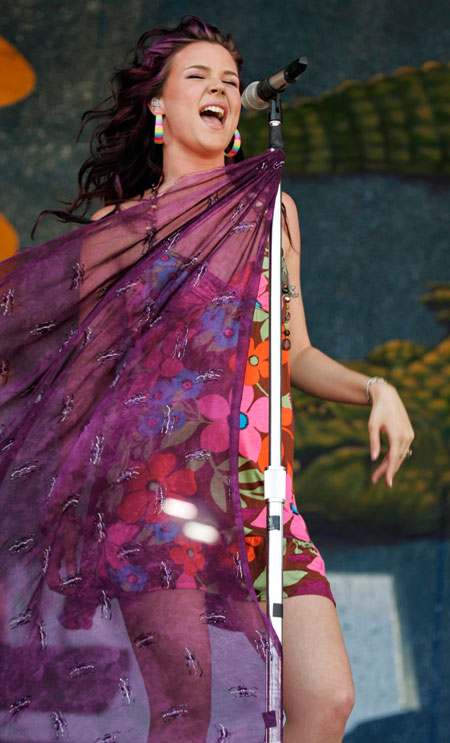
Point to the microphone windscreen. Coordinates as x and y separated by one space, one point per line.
251 100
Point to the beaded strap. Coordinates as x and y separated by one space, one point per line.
288 293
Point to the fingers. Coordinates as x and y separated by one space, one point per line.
394 461
399 450
379 472
399 445
374 438
389 416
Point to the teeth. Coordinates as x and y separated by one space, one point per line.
214 109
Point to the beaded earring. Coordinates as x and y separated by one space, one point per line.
159 129
236 144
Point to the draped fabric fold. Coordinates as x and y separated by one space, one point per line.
127 611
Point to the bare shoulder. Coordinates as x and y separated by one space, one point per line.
103 212
292 224
289 202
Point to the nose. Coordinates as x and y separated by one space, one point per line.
217 86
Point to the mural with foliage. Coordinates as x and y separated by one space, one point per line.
397 123
332 463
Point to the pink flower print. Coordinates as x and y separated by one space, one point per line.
298 528
171 367
175 344
186 581
261 519
215 436
254 419
317 564
263 294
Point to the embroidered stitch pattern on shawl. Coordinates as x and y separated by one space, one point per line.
122 617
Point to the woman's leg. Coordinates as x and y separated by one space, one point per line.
318 692
176 669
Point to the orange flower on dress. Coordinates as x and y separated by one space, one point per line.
257 363
286 440
252 542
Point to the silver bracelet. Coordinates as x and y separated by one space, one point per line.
371 381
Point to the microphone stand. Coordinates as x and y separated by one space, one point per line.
255 97
275 473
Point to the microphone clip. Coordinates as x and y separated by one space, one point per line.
276 84
275 119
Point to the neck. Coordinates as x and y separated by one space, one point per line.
178 163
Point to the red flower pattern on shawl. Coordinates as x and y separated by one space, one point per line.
142 490
189 554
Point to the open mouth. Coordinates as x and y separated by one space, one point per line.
213 115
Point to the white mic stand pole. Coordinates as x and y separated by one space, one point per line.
275 473
257 96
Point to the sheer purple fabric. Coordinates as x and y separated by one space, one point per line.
127 611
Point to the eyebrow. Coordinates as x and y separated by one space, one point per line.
208 69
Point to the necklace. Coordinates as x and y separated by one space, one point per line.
150 227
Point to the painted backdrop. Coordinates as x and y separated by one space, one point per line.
367 131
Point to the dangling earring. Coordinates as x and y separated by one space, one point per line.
236 144
159 129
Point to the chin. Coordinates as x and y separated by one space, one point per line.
212 149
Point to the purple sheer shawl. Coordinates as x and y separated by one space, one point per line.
127 611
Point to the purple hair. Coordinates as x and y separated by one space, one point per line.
124 160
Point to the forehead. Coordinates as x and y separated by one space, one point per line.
205 53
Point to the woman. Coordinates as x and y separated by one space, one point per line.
188 82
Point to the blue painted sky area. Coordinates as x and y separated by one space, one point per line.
370 242
370 245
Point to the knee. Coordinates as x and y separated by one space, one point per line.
338 706
325 709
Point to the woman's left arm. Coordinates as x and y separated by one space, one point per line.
317 374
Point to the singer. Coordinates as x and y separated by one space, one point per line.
133 361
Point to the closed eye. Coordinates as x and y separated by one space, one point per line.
202 77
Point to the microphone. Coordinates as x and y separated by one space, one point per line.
257 95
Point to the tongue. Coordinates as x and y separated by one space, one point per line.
211 119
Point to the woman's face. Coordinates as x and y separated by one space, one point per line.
202 74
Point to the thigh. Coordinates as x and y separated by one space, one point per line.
316 667
176 668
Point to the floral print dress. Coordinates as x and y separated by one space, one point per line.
303 566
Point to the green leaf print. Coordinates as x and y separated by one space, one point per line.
181 434
293 576
219 490
260 582
289 578
286 400
251 475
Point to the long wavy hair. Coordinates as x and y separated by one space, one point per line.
124 161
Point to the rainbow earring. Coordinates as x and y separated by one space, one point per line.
236 144
159 129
